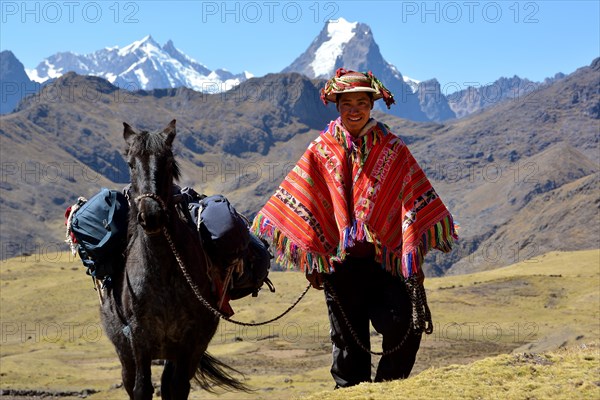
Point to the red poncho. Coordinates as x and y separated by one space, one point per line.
344 190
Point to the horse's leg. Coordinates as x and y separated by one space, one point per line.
115 331
165 381
127 371
180 382
142 390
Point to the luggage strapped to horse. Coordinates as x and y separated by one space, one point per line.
228 241
96 230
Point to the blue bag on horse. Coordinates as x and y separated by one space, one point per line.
100 228
224 232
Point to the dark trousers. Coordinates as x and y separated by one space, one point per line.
367 293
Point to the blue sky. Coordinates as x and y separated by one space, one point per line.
457 42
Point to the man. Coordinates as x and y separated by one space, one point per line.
358 215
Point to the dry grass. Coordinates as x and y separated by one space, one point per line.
51 339
568 374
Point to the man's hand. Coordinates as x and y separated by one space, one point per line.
316 279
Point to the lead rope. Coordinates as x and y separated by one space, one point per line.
421 314
195 288
206 304
421 317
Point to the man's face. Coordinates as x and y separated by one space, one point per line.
355 110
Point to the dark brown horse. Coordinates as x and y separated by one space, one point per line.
151 312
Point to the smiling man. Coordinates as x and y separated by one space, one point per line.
355 110
358 215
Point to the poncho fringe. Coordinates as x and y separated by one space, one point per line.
291 256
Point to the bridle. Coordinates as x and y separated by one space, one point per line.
153 196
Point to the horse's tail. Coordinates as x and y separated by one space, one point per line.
212 372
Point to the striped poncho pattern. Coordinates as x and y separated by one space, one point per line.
344 190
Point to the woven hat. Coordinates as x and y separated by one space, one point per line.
346 81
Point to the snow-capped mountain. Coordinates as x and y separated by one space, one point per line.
351 45
144 64
339 44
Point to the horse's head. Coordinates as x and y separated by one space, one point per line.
153 170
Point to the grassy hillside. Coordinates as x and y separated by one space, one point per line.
52 342
564 374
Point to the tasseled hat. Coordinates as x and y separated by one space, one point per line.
351 81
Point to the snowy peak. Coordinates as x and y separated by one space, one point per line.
351 45
143 64
178 55
339 44
146 46
339 33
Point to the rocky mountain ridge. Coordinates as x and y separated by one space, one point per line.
494 169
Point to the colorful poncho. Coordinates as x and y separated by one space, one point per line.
344 190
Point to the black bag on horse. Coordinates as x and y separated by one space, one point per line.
226 236
224 232
255 272
99 226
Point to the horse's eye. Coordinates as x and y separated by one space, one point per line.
131 166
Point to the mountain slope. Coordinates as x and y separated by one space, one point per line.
514 157
143 64
66 146
493 169
15 82
555 207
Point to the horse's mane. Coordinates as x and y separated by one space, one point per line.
154 143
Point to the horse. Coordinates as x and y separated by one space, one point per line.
150 312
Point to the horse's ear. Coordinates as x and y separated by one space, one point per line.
170 132
128 132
